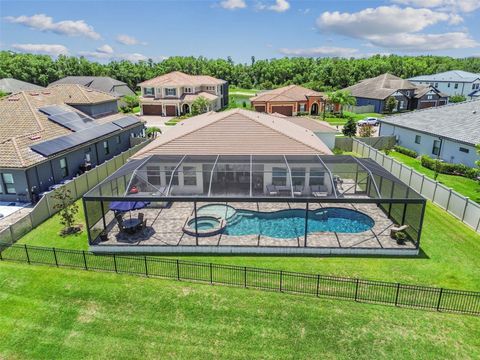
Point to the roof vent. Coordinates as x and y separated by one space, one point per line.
13 99
474 111
35 137
34 94
46 92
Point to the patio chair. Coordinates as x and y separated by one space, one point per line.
298 190
396 229
119 219
272 190
317 191
141 216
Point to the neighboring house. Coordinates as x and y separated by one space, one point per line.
474 95
375 91
448 132
49 136
10 86
290 100
454 82
172 94
101 83
322 129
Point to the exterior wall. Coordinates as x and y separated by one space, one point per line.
379 105
21 185
403 102
464 88
425 102
450 150
99 110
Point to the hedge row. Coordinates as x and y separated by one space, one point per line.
449 168
405 151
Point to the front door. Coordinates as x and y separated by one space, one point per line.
314 109
170 110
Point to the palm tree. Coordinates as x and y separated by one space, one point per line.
341 97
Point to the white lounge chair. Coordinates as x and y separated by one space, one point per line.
396 229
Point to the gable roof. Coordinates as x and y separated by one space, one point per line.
286 93
178 78
316 126
23 125
10 85
422 90
452 75
380 87
100 83
459 122
235 132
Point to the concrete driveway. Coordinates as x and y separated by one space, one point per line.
157 121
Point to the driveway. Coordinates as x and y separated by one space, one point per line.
157 121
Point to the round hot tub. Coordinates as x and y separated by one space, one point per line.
206 226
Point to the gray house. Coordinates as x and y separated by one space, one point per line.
449 132
101 83
10 86
454 82
50 136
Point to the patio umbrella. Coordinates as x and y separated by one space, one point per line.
124 206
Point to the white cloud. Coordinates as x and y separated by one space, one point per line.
45 23
132 57
106 49
381 20
448 5
49 49
425 42
99 54
280 6
129 40
324 51
233 4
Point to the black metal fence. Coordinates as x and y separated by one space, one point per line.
439 299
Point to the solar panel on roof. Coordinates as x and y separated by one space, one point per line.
62 143
72 120
52 109
126 121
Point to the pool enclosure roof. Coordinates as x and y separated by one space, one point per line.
338 178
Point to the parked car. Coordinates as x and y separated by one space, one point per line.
369 121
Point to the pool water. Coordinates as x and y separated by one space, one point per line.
218 210
204 223
291 223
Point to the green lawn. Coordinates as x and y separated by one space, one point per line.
50 313
446 243
342 121
241 91
463 185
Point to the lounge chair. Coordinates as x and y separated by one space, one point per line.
396 229
317 191
298 190
272 190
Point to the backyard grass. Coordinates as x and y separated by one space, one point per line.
241 91
449 256
50 313
462 185
343 121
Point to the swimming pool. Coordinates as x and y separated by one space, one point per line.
290 223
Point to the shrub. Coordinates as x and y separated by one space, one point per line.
449 168
337 151
457 98
350 128
405 151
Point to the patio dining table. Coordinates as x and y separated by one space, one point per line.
130 225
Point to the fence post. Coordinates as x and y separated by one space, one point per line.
318 283
465 208
356 289
439 299
85 260
448 201
178 270
55 256
26 252
398 293
281 279
146 267
211 274
245 276
421 185
115 263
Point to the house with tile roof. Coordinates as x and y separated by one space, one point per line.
172 94
50 136
289 101
10 85
106 84
449 132
375 91
453 82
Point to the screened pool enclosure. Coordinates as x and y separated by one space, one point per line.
291 204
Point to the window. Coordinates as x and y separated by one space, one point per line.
418 139
106 148
9 183
298 176
148 91
153 174
401 104
436 147
456 85
210 88
302 107
448 85
88 155
118 139
168 174
187 90
429 97
170 92
317 176
189 176
63 167
436 85
464 150
279 176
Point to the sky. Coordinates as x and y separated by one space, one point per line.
107 30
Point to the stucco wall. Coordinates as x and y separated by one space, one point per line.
98 110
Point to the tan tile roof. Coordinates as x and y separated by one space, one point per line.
379 87
286 93
206 95
235 132
22 125
311 124
178 78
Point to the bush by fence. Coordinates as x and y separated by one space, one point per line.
449 168
405 151
378 142
79 185
456 204
396 294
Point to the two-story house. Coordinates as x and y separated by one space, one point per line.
172 94
454 82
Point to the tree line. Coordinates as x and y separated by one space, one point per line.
322 74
